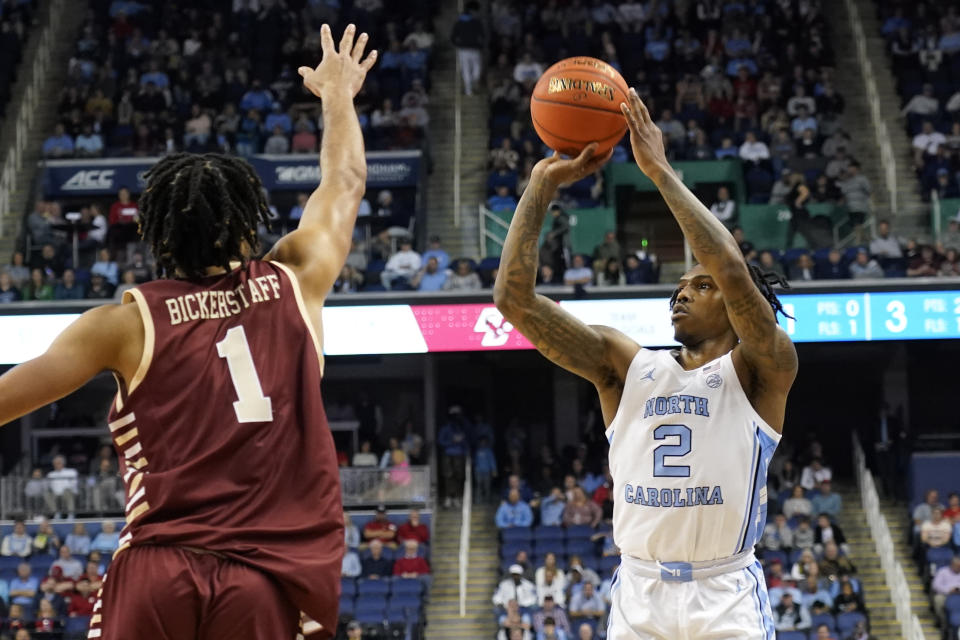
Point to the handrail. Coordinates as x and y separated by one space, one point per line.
457 129
486 234
887 156
893 571
466 515
936 211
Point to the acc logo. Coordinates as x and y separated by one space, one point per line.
495 330
93 179
714 380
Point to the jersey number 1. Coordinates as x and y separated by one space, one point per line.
251 405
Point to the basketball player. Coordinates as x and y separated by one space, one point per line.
691 430
233 507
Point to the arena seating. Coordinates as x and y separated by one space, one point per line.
16 19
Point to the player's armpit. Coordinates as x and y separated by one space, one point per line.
103 338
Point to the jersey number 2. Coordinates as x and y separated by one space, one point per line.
251 404
660 468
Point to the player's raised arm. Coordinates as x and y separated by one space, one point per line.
763 344
319 247
599 354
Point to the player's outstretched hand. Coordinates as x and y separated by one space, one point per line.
646 139
343 70
563 171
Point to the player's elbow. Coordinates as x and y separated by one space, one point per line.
509 300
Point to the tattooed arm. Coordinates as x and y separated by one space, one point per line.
766 349
599 354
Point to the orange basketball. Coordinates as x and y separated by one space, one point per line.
576 102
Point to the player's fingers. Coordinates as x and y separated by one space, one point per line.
346 42
631 118
304 71
643 115
326 40
586 155
370 61
359 47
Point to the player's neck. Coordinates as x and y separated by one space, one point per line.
696 355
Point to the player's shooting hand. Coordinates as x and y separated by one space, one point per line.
342 71
646 139
563 171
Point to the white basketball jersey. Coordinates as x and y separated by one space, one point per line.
689 458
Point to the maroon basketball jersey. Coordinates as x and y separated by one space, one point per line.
222 433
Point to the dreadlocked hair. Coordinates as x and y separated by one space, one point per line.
764 281
198 211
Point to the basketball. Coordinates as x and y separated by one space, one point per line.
576 102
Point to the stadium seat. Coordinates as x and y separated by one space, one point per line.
582 548
516 534
76 627
407 585
371 616
847 621
404 600
542 547
512 549
370 603
580 532
10 562
774 554
794 557
791 635
823 618
369 587
348 587
609 562
346 606
939 556
547 532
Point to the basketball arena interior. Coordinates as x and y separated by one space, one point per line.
823 134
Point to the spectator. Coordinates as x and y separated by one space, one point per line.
556 245
365 457
350 566
937 531
468 38
863 266
23 588
803 534
88 143
724 208
884 245
376 565
436 251
551 587
753 151
123 219
128 281
585 632
34 492
856 191
782 187
833 267
349 280
607 250
827 531
8 292
18 542
413 529
848 600
814 596
351 535
552 507
578 273
587 603
946 581
410 564
797 504
48 592
515 587
304 138
106 267
513 622
827 501
69 566
833 565
952 512
927 264
777 535
546 276
611 275
550 611
504 156
429 277
814 474
68 288
503 200
484 469
463 278
453 443
59 145
514 512
580 510
578 575
923 512
277 143
19 273
401 267
790 616
78 540
803 122
926 143
62 488
46 539
803 268
380 528
82 602
107 540
922 104
38 288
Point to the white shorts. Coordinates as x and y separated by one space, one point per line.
679 601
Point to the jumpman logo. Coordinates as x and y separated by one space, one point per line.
649 375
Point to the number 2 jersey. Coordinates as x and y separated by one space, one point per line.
689 458
222 434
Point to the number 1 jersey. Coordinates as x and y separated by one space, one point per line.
689 458
222 435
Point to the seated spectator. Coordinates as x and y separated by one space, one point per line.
128 280
18 542
82 602
277 143
48 591
99 288
401 267
38 288
351 535
68 288
606 250
946 581
430 277
59 145
515 587
611 274
380 528
937 531
827 531
924 511
514 512
413 529
47 622
350 566
580 510
863 266
88 144
62 487
17 622
23 588
587 603
803 268
777 535
69 566
797 504
578 274
551 586
925 265
365 457
410 564
823 633
848 600
107 540
724 208
754 151
805 565
790 616
78 540
833 267
814 473
803 534
827 501
349 280
46 539
552 507
952 512
463 278
513 621
578 575
814 596
304 139
925 144
504 200
375 565
585 632
527 70
833 565
435 250
551 618
546 277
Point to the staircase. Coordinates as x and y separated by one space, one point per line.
863 554
911 220
64 41
462 240
443 612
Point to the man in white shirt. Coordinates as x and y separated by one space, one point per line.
815 473
552 587
404 264
927 142
579 273
937 531
527 70
587 603
753 150
61 488
724 208
515 587
923 104
885 245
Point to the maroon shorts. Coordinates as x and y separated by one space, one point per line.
170 593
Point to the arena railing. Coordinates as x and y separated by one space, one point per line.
887 157
893 571
467 516
372 485
27 108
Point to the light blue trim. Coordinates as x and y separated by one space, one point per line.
741 536
762 601
614 583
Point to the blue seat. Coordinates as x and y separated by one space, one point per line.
542 547
521 535
346 606
791 635
396 614
582 548
371 616
369 587
609 562
407 585
548 532
823 618
76 624
847 621
579 532
939 556
10 562
370 603
405 600
489 263
775 554
348 587
511 549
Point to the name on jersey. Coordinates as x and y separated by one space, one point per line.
689 497
667 405
212 305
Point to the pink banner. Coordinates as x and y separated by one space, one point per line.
466 327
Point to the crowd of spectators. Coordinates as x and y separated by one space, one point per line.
16 18
935 535
923 40
150 78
